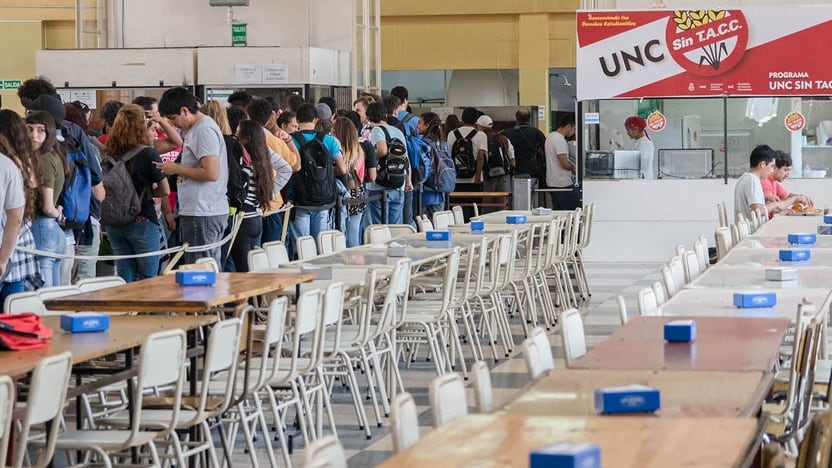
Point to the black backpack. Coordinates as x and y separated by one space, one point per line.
496 163
465 160
237 185
392 169
314 183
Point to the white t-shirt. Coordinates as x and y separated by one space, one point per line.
204 138
377 135
556 175
748 191
645 146
479 142
12 195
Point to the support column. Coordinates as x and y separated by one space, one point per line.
533 61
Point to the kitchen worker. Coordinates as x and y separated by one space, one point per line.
641 142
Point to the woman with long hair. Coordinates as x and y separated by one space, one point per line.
130 142
430 127
19 177
48 215
267 173
344 130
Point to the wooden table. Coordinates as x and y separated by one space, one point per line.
722 344
505 196
162 294
571 392
126 332
505 440
376 257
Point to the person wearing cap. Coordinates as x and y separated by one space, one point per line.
642 143
498 182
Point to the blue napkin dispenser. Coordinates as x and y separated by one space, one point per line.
628 399
85 322
802 238
516 219
477 227
795 255
196 278
827 219
566 455
748 300
438 235
680 331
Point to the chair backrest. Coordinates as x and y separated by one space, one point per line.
306 247
325 242
722 214
277 253
447 398
574 339
57 291
47 392
269 364
210 262
622 309
404 422
754 222
100 282
306 324
700 248
28 301
544 349
161 364
7 399
586 226
742 230
339 241
443 219
647 304
394 307
677 270
658 290
398 230
691 265
668 281
333 310
325 452
724 241
459 215
424 225
483 394
680 250
258 260
221 354
534 366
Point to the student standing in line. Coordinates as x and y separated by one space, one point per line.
353 180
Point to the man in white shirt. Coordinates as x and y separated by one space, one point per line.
641 142
748 193
559 169
479 143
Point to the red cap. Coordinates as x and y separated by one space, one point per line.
636 122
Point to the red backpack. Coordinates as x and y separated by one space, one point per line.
22 332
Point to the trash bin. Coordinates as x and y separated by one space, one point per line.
523 192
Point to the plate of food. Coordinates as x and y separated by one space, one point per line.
799 209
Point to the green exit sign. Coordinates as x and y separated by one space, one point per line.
11 84
239 34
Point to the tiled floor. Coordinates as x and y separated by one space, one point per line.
508 376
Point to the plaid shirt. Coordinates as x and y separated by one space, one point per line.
22 266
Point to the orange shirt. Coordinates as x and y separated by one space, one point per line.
282 149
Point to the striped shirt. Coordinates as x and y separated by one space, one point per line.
282 173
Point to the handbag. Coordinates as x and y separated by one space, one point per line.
22 332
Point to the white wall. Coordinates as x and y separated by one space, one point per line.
190 23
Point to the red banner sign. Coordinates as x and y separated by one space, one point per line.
770 51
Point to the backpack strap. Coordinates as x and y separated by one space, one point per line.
471 134
457 134
132 153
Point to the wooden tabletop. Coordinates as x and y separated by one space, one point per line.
126 332
376 257
722 344
505 440
162 294
571 392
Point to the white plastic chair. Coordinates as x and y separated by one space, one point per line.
659 292
339 241
210 262
677 270
258 260
325 452
700 248
377 234
306 248
277 253
722 214
538 353
459 216
404 422
56 292
398 230
100 282
534 366
724 241
44 405
7 399
28 301
325 242
424 225
669 283
691 265
483 393
647 304
447 398
544 348
443 219
572 331
622 309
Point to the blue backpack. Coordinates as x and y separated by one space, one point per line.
77 192
442 174
418 152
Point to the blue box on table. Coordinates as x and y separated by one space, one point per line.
438 235
85 322
196 278
747 300
627 399
827 219
802 238
516 219
477 227
795 255
680 331
566 455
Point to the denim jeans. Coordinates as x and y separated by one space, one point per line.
7 288
272 227
307 223
49 237
408 209
395 206
86 268
354 232
135 238
202 230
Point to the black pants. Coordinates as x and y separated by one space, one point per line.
247 238
567 200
